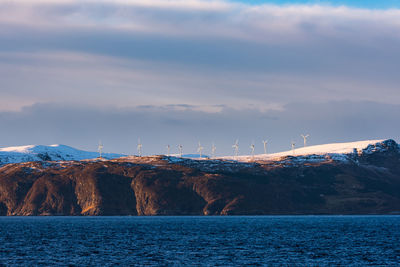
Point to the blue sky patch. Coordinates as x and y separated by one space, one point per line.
369 4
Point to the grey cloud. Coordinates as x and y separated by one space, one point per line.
377 58
303 40
91 80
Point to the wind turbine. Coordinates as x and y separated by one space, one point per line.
100 148
252 147
213 149
168 149
265 146
236 148
139 148
305 136
293 146
200 149
180 147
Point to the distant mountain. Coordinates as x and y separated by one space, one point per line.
361 181
28 153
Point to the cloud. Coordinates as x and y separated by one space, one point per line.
264 22
93 80
186 66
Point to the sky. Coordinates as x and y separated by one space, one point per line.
369 4
175 72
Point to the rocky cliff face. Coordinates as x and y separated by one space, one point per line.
367 183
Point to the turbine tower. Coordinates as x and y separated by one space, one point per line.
200 149
213 149
168 149
305 136
100 148
293 146
139 148
180 147
265 142
236 148
252 147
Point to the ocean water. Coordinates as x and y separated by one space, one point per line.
206 241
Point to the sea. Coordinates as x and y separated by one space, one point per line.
201 241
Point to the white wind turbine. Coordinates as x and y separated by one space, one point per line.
213 149
293 146
139 148
305 136
236 148
168 150
180 147
200 149
265 142
252 147
100 148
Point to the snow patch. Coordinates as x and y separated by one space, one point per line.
18 154
335 151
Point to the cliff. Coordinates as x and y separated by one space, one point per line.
364 182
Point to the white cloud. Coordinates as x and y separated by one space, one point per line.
194 18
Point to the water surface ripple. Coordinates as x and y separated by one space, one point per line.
210 241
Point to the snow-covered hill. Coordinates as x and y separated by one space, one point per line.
19 154
336 151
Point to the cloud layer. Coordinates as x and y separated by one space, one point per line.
198 58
